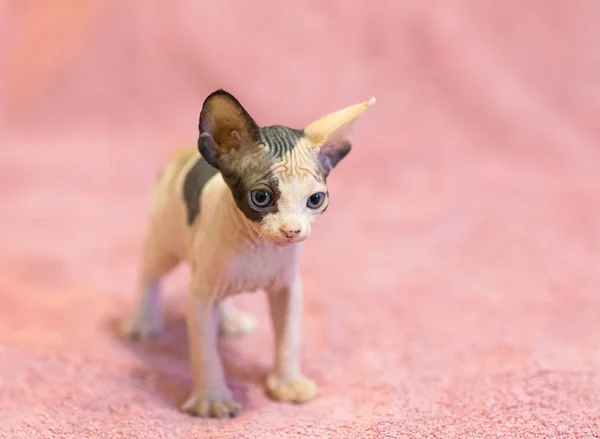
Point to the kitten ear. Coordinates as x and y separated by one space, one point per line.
224 126
330 135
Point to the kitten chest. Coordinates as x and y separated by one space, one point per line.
259 267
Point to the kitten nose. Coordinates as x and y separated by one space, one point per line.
290 233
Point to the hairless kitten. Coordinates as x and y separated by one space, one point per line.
238 212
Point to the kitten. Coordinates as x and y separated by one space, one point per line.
238 213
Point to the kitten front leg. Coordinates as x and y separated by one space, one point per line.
286 382
211 397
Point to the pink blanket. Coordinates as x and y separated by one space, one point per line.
453 287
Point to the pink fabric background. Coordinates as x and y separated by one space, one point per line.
453 287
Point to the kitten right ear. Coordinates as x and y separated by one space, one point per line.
330 135
224 126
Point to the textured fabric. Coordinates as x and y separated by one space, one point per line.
453 286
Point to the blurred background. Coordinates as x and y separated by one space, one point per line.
472 190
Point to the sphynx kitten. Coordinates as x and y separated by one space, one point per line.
238 213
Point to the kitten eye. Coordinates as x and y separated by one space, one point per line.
315 200
261 198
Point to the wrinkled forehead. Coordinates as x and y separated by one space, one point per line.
284 157
290 155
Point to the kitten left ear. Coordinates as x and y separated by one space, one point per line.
330 135
224 126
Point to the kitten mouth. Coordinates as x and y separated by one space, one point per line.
296 240
288 241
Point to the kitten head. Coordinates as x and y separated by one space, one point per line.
277 175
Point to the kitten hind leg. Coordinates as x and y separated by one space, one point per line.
147 317
233 321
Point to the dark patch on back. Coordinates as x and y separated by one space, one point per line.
195 180
280 140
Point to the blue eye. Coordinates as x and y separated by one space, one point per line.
316 200
261 198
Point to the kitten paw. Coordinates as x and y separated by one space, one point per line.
236 322
204 407
139 327
298 390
